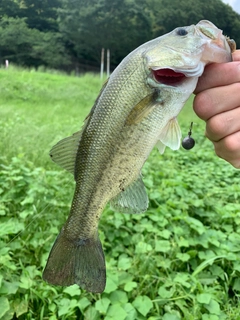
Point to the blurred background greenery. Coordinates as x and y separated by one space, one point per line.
69 34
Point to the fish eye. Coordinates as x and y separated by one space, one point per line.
182 32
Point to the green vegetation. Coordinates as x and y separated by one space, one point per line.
69 34
179 260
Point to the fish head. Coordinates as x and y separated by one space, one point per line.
184 52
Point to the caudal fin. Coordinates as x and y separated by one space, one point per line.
81 262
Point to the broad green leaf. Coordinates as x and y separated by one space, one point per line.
183 279
9 315
236 285
66 305
102 305
218 271
143 247
186 311
4 250
143 304
183 243
9 288
236 265
116 311
131 311
124 277
165 293
213 307
183 256
206 255
11 226
63 307
165 234
124 262
25 282
204 298
73 290
21 308
112 283
196 225
118 297
129 286
163 262
170 316
4 306
83 303
162 246
91 314
52 307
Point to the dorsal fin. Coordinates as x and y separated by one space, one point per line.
65 151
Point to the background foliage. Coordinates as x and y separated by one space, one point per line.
66 34
179 260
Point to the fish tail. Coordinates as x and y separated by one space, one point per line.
76 261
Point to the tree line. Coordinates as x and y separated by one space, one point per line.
64 34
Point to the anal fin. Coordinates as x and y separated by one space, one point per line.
133 199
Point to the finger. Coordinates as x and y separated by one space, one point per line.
219 74
236 55
213 101
223 124
229 149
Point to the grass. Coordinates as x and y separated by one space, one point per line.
43 108
180 260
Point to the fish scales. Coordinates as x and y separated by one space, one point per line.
135 110
103 129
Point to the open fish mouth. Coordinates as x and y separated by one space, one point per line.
168 76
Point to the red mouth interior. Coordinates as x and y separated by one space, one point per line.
168 76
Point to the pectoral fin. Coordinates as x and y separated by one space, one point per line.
142 109
133 199
161 147
170 136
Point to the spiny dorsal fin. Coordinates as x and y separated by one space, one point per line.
133 199
65 151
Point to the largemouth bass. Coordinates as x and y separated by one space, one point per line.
135 110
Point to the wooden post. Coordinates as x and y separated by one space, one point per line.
102 63
108 62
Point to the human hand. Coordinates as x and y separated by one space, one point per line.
217 102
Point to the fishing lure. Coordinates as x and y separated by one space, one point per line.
188 142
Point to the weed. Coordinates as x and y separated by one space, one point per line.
179 260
